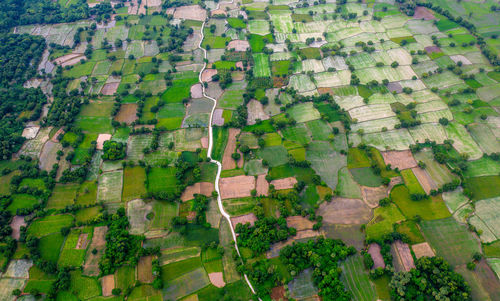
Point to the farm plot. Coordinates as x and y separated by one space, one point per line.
332 79
310 65
462 141
484 137
325 161
345 211
434 116
260 27
135 145
301 83
49 224
297 133
110 186
383 219
370 112
186 284
381 73
428 131
450 240
304 112
261 65
396 140
73 252
302 287
282 22
336 62
455 199
487 212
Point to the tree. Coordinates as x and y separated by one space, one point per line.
114 150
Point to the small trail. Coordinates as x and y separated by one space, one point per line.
210 146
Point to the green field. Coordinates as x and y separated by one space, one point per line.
356 279
261 65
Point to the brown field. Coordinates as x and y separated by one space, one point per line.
238 45
227 161
145 269
431 49
127 113
278 293
399 159
285 183
217 117
153 2
48 155
101 139
423 249
325 91
243 219
395 86
276 248
30 132
345 211
378 260
423 13
217 279
204 188
262 186
403 261
108 284
238 75
216 12
17 222
191 12
109 88
424 179
206 75
196 91
371 195
83 241
300 223
204 142
91 267
255 111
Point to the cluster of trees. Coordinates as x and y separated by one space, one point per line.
323 255
15 12
114 150
121 247
433 278
263 233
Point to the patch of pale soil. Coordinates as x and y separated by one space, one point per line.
378 260
403 256
101 139
217 117
205 188
238 45
423 13
82 241
399 159
255 111
213 90
262 186
238 75
196 91
285 183
424 179
127 113
236 187
395 87
108 284
278 293
206 75
30 132
431 49
190 12
217 12
345 211
18 269
146 126
227 161
153 3
423 249
217 279
371 195
243 219
204 142
145 269
109 89
300 223
16 224
460 58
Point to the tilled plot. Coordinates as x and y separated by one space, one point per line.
236 187
345 211
399 159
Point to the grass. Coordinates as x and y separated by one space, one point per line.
173 270
274 155
492 250
236 23
49 224
297 133
366 177
450 240
50 247
356 279
180 89
383 220
280 68
257 42
411 182
84 287
62 196
133 183
357 158
483 187
411 230
162 179
261 61
237 291
87 214
304 112
125 277
220 136
22 201
427 209
163 214
70 256
87 194
215 42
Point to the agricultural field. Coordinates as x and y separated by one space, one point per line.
182 151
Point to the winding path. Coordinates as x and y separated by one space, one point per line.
210 146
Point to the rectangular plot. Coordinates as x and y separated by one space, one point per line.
442 80
462 141
110 186
135 145
428 131
261 65
376 125
395 140
332 79
389 73
483 135
370 112
433 117
356 279
301 83
186 284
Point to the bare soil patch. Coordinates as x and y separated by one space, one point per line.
399 159
371 195
101 139
16 224
91 267
59 132
395 86
153 2
191 12
300 223
48 155
278 293
217 279
227 161
217 12
204 142
238 75
325 91
145 269
275 249
403 261
285 183
83 241
424 179
262 186
217 117
423 249
109 88
204 188
108 284
431 49
206 75
238 45
127 113
345 211
423 13
378 260
236 187
255 111
30 132
196 91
